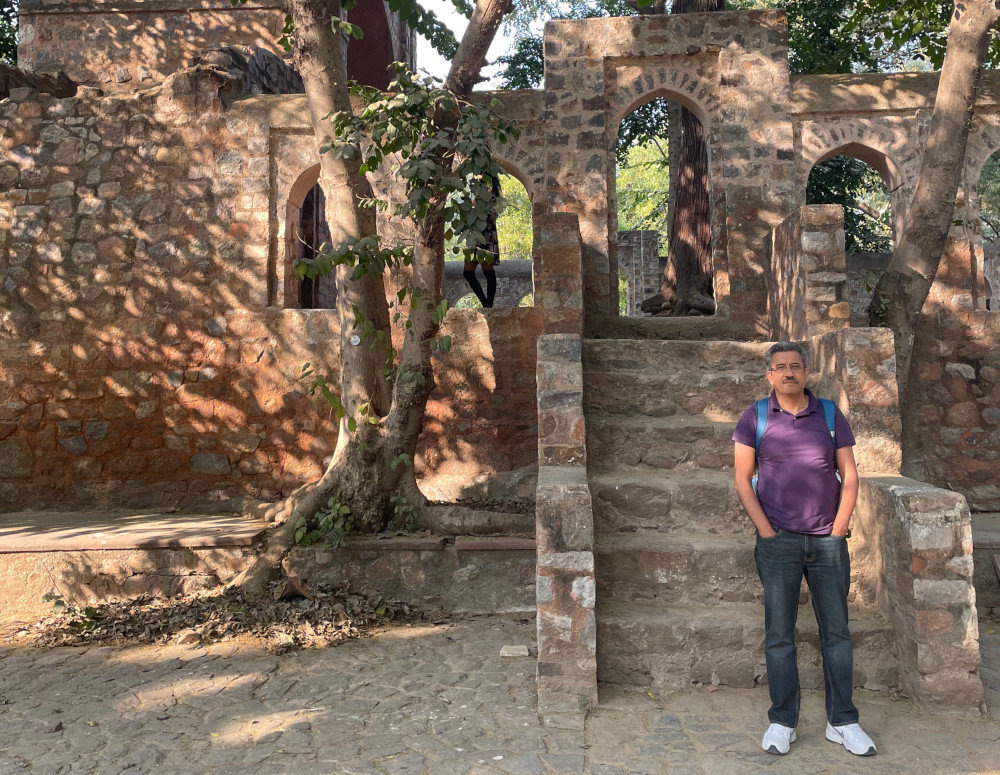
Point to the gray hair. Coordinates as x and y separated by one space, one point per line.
785 347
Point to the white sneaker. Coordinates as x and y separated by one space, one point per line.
852 737
778 738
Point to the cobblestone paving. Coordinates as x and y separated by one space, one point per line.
415 701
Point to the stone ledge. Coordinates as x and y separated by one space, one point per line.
62 531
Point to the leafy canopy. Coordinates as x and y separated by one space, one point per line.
8 31
441 147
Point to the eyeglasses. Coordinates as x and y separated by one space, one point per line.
784 368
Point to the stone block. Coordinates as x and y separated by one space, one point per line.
15 459
943 592
210 463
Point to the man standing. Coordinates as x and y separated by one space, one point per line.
801 513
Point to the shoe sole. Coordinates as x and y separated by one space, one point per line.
840 741
774 749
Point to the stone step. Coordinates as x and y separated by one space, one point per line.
688 362
651 644
664 442
715 396
643 499
686 328
453 519
676 568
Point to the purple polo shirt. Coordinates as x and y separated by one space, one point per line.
797 484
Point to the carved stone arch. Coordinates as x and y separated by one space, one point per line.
984 142
888 148
635 85
631 84
881 162
887 145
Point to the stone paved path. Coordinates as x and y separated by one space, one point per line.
415 701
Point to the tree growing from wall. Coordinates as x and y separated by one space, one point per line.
443 142
901 292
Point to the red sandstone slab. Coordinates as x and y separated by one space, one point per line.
494 544
55 531
986 531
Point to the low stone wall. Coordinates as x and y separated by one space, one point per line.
912 558
470 575
807 287
84 576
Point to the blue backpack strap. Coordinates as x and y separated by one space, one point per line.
830 414
762 410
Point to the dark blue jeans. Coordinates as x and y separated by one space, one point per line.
826 564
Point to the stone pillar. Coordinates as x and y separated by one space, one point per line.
807 288
913 543
564 531
576 149
559 284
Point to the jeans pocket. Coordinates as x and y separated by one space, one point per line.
777 533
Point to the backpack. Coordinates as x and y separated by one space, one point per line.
829 414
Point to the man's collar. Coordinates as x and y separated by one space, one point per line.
774 406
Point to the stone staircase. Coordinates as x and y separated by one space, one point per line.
678 599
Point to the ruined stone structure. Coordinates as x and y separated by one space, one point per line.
151 334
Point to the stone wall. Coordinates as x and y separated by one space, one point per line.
140 361
807 287
639 262
912 556
479 575
513 282
124 45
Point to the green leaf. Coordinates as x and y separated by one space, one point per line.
352 424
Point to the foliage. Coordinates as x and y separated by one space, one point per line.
414 15
469 301
917 26
514 222
8 31
988 191
441 147
859 189
643 186
79 618
330 525
622 294
404 513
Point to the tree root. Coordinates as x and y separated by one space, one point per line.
266 567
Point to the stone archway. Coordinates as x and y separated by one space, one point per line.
305 231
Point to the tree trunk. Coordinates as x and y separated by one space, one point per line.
686 285
688 274
361 474
901 292
58 84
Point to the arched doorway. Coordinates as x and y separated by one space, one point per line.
858 179
306 232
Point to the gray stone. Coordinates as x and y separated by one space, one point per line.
74 444
216 326
210 463
15 459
